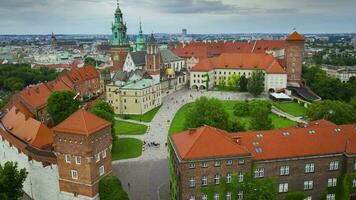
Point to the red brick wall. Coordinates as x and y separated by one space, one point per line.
294 53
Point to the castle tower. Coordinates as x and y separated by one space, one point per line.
294 56
153 58
53 40
119 41
82 144
140 44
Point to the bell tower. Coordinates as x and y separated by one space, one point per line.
119 41
294 54
153 58
82 144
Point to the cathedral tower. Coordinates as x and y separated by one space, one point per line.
119 41
140 44
82 144
153 58
294 54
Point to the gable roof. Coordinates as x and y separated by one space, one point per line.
205 142
35 95
168 56
138 58
241 61
27 128
77 75
82 123
295 36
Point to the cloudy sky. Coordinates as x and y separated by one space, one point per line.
170 16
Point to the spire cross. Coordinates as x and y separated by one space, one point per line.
118 2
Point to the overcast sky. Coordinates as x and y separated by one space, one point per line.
170 16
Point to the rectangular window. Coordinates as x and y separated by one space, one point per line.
217 179
241 161
192 181
332 182
229 162
309 168
308 198
101 170
67 158
104 153
354 183
334 165
228 178
308 185
240 195
191 165
97 157
354 166
216 196
74 174
284 170
204 164
204 197
228 196
77 160
204 180
217 163
330 197
283 187
259 172
241 177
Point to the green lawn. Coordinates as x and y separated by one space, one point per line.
178 120
291 108
128 128
125 148
147 117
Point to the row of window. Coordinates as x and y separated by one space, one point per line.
77 159
217 163
217 196
216 180
75 174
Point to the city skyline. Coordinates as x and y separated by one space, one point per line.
162 16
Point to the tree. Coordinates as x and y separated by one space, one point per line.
11 181
222 83
255 84
241 109
257 189
206 111
103 110
243 81
14 83
232 80
334 111
61 104
295 196
235 126
110 188
260 119
353 102
89 61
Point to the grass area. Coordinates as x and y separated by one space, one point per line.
128 128
178 120
147 117
291 108
125 148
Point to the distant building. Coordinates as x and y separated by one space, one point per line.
310 159
343 73
353 42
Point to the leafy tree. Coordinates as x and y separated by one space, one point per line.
255 84
232 80
257 189
295 196
243 81
353 102
206 111
89 61
103 110
61 104
235 126
241 108
257 106
11 181
110 188
222 83
335 111
14 83
260 119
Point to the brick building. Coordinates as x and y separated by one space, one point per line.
310 159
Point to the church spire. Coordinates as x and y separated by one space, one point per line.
119 28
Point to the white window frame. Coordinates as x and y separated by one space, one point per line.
308 198
101 170
97 157
330 197
217 163
204 197
334 165
191 165
74 174
77 160
259 172
283 187
216 179
104 153
228 196
229 162
308 185
241 177
192 181
228 178
192 197
204 164
332 182
216 196
284 170
204 180
240 195
354 183
309 168
67 158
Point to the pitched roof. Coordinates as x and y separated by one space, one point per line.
35 95
77 75
58 85
318 138
241 61
82 123
295 36
139 57
168 56
205 142
28 129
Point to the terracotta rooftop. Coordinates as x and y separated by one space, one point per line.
82 123
206 142
318 138
36 95
295 36
241 61
27 128
81 74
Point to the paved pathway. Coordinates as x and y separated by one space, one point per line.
149 172
279 112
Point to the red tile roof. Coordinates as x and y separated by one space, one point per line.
35 95
82 123
28 129
78 75
319 138
295 36
241 61
206 142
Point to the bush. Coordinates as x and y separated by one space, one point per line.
241 109
110 188
295 196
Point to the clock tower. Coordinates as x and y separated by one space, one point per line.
119 41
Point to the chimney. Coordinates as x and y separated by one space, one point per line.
192 130
237 139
